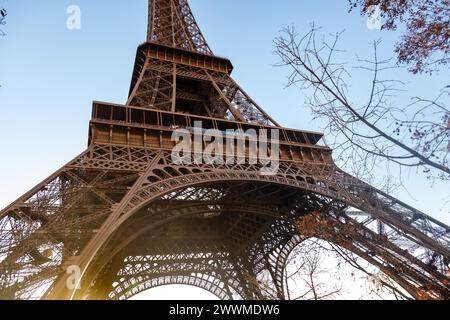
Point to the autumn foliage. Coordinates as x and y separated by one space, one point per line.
425 43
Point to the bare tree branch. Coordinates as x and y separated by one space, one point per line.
373 132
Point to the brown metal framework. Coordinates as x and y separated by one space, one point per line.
131 219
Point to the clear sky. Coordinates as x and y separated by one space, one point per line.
50 75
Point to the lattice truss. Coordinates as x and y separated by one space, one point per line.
197 90
131 219
172 23
174 86
216 227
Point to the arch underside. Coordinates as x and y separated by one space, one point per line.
182 248
137 205
219 236
128 216
225 285
205 282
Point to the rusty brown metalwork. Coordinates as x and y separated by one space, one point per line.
131 219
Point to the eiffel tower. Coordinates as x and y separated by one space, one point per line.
123 217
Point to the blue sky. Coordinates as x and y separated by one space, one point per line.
50 75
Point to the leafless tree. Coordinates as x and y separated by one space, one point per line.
337 241
318 270
304 276
307 274
376 132
381 285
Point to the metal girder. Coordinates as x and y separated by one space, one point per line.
131 219
172 23
185 183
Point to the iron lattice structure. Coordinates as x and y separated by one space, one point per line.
132 219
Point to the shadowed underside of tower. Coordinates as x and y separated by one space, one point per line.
129 218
